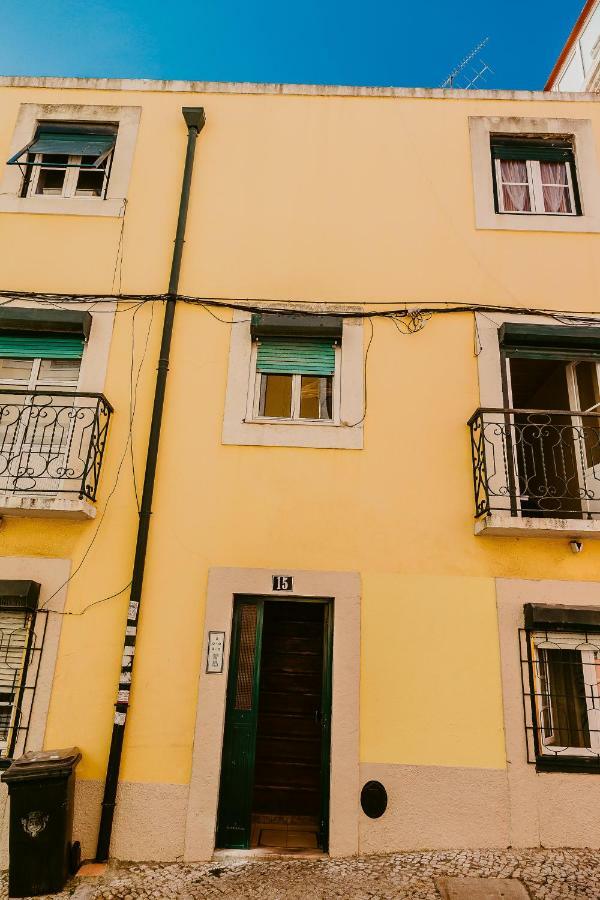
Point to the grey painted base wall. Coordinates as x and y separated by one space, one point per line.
429 807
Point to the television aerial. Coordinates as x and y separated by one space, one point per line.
470 71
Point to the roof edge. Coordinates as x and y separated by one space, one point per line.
242 87
577 27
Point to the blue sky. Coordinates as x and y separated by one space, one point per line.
381 42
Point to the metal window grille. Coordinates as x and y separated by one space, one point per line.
22 634
560 678
536 463
52 441
246 653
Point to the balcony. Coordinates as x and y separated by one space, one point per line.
536 472
51 450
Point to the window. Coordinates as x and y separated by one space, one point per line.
295 369
560 653
67 160
18 603
295 379
534 176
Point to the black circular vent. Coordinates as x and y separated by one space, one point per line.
373 799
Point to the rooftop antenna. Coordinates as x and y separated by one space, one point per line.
465 76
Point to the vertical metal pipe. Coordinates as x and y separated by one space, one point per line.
194 118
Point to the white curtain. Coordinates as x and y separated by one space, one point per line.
555 187
514 186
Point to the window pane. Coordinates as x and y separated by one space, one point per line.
15 369
555 187
52 370
515 186
565 723
276 396
51 180
90 183
316 397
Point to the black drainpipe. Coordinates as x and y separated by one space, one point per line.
194 119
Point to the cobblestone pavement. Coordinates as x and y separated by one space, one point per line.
548 874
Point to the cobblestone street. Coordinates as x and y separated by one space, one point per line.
571 874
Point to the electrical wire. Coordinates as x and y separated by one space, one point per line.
133 404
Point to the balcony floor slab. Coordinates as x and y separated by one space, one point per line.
30 506
505 525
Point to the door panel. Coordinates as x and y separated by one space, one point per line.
239 740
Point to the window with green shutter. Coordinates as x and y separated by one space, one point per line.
295 377
534 175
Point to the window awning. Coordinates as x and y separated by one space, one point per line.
19 595
550 341
23 319
67 143
295 325
545 150
559 617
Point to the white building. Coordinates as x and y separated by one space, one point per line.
578 66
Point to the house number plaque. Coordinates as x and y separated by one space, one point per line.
216 648
283 583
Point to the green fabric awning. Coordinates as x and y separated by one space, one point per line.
68 143
289 356
46 346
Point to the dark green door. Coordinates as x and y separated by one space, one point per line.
276 745
239 740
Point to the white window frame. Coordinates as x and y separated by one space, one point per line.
254 392
590 659
72 170
536 193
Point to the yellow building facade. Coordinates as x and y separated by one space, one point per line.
437 252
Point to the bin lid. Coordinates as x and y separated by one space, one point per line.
43 764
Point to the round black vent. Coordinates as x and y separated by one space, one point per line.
373 799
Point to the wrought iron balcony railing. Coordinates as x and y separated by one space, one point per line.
538 463
52 442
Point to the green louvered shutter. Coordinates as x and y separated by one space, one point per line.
46 346
296 356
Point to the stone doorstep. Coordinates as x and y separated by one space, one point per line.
473 888
91 870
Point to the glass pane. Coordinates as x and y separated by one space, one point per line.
586 374
276 396
515 186
246 653
316 397
90 183
555 187
15 369
51 181
566 723
53 370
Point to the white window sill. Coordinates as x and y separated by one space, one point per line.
293 434
537 222
46 507
329 423
64 206
505 525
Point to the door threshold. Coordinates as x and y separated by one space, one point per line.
260 852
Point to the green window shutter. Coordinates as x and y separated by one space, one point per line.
46 346
544 151
296 356
68 143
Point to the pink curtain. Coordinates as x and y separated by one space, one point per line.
555 187
515 188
